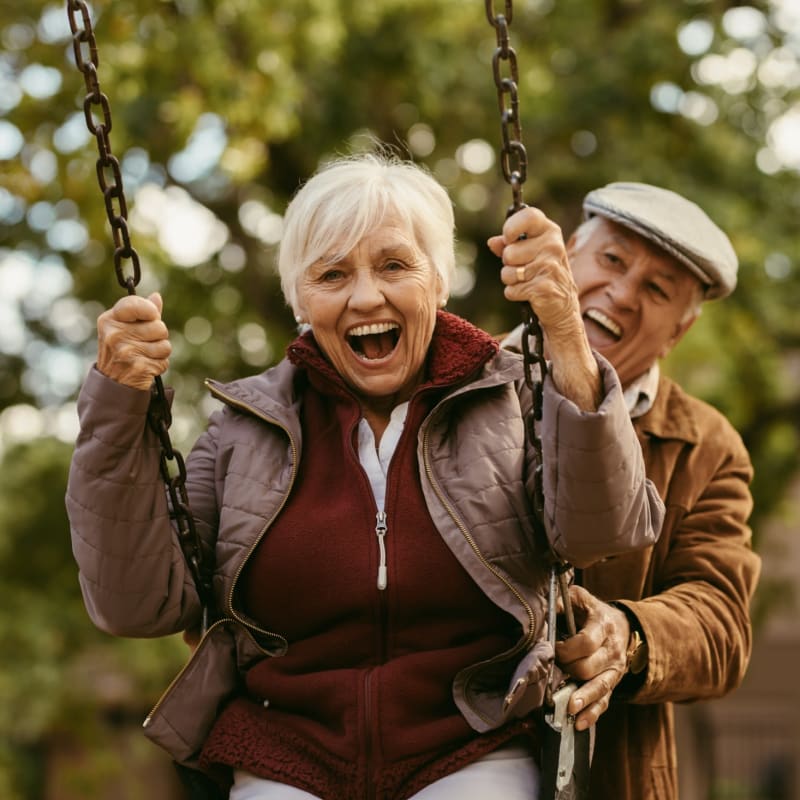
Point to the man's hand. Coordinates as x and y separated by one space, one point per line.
132 342
596 655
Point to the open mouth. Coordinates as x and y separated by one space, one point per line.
607 327
373 342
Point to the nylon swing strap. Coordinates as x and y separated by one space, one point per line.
97 113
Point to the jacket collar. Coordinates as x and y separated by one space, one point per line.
671 415
457 351
270 394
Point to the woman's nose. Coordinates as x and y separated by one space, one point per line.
366 292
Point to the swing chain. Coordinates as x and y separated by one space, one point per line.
109 178
572 756
513 157
109 174
514 162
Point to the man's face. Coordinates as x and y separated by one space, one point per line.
634 297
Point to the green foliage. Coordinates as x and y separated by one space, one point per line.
57 670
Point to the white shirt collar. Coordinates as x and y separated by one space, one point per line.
641 393
375 460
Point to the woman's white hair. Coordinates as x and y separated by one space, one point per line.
350 197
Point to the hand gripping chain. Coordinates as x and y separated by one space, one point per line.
565 757
514 162
109 178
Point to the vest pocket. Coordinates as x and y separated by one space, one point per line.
480 694
527 686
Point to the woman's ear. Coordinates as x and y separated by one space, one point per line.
299 308
442 294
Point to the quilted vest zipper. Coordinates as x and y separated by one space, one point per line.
269 420
380 532
236 618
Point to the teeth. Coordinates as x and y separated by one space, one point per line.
378 327
601 319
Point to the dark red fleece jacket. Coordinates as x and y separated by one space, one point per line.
361 705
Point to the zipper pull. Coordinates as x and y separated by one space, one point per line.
380 530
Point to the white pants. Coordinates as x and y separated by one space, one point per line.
509 773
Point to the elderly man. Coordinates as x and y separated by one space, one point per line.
671 623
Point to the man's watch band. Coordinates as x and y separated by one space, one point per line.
636 655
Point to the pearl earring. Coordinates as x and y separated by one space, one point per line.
298 319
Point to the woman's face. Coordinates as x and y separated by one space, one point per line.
373 313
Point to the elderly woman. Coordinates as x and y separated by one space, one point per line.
380 591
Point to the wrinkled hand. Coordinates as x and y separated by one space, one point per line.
596 654
132 341
536 270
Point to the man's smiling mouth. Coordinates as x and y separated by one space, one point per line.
373 342
606 323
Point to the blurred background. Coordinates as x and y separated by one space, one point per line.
219 109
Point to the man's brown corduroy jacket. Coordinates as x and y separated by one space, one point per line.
690 592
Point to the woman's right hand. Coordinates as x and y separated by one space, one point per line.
132 341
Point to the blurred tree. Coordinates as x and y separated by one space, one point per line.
57 671
219 111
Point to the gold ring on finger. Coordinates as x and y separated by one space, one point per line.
520 274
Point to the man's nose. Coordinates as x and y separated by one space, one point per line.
366 291
623 291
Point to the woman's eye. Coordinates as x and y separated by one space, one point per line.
612 258
332 275
393 266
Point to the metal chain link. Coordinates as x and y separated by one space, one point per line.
514 162
513 157
109 178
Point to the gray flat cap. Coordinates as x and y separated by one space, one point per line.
673 223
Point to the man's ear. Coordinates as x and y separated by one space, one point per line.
680 330
570 245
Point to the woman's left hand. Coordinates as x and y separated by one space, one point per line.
536 270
